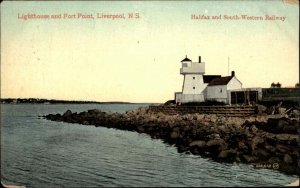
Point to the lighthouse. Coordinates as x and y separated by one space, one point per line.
193 84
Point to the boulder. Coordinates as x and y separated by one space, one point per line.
295 113
253 128
281 110
212 118
198 143
282 148
224 154
274 160
255 141
270 110
140 129
174 135
282 123
85 123
200 117
182 149
142 110
283 137
223 128
217 144
270 148
290 129
67 113
249 159
261 109
242 146
262 154
288 159
215 136
94 111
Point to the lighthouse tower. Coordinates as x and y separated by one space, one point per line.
193 84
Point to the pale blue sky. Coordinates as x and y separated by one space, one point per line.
139 60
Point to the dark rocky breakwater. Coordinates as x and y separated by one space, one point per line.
259 140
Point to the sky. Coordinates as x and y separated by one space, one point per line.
138 59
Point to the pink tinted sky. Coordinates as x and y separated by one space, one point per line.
138 60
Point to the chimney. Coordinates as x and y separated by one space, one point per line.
232 73
199 59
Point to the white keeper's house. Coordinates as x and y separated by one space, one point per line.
198 87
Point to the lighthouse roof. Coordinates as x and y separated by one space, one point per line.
208 78
186 59
220 81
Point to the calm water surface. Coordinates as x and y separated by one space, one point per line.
39 153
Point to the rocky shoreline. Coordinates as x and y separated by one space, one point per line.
264 141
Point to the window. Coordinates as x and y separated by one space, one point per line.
221 90
193 87
194 78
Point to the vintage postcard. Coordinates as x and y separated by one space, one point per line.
149 93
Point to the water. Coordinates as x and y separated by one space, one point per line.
39 153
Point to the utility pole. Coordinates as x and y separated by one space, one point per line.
228 65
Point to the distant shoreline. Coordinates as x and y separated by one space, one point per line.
54 101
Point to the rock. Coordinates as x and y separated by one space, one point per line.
249 159
67 113
283 137
182 149
94 111
270 148
213 118
174 135
281 110
290 129
215 136
261 153
261 109
282 123
270 110
140 129
170 103
255 141
295 113
282 148
287 159
242 146
194 117
218 144
251 119
200 117
227 153
253 128
160 114
223 128
143 110
274 160
190 117
85 123
198 143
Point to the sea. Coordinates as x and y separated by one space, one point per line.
36 152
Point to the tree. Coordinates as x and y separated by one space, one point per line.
273 85
278 85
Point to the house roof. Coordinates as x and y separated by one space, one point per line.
220 81
186 59
208 78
